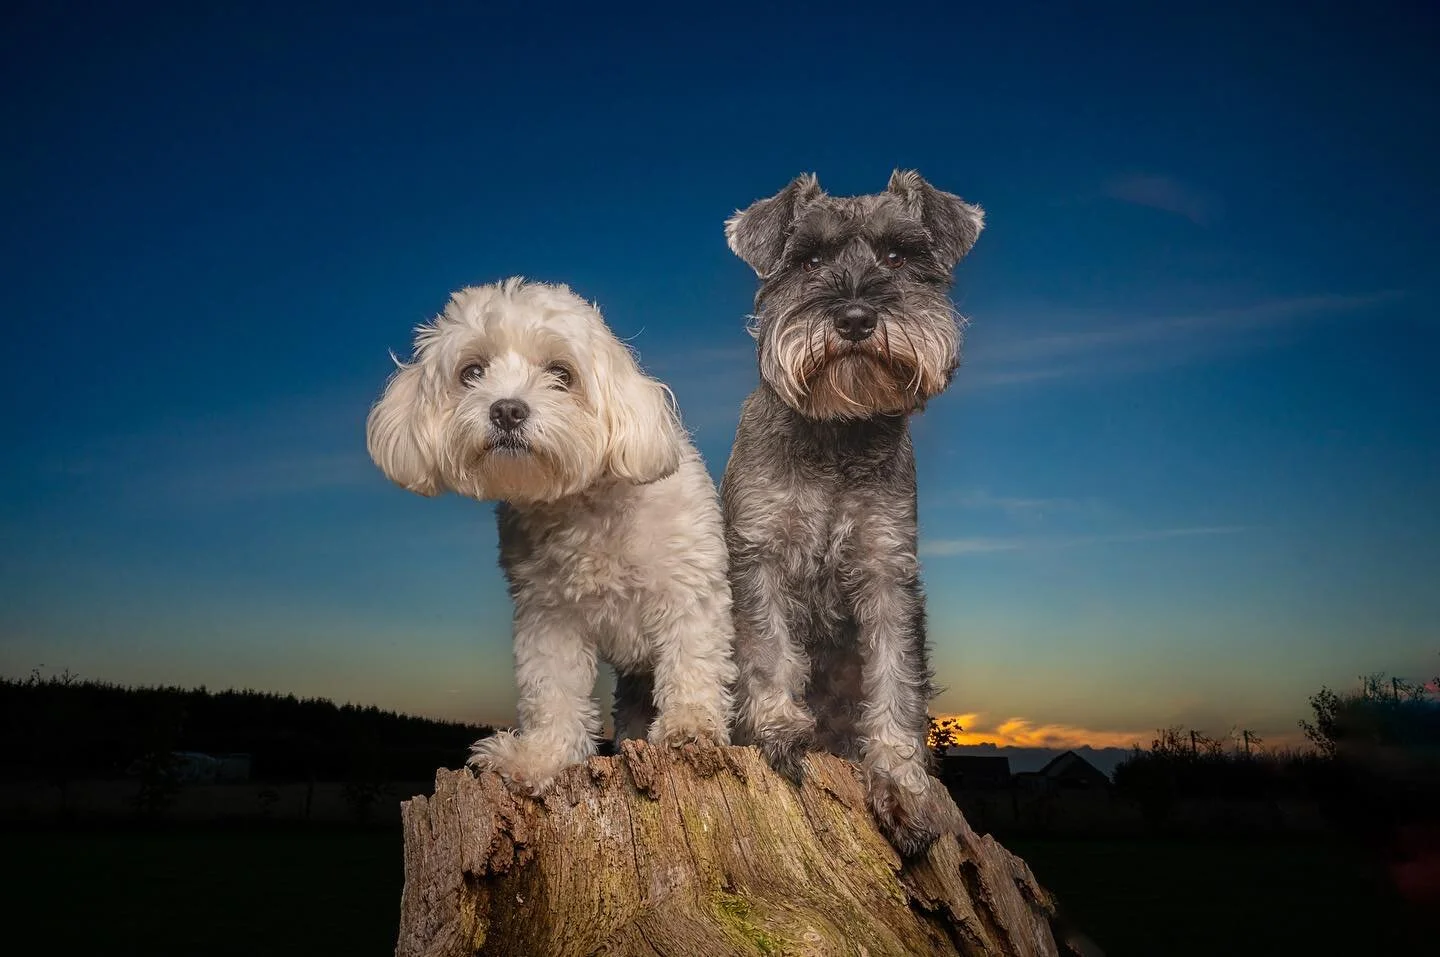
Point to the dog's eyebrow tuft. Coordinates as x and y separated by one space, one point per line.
902 236
822 233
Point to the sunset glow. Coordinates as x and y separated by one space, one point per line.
1021 733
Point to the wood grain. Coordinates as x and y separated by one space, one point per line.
705 853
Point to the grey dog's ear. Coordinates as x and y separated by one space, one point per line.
953 224
758 234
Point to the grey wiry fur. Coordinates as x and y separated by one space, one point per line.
819 494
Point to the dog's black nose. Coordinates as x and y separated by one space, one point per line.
509 414
856 322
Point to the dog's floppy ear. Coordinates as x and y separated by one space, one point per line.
758 234
643 431
953 224
401 432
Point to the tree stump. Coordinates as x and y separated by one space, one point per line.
710 853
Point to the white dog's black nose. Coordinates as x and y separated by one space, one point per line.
856 322
509 414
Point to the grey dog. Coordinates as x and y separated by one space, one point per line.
855 332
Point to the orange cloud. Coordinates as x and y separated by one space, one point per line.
1023 733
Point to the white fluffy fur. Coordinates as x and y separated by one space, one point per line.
610 532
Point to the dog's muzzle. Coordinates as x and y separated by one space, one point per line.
507 422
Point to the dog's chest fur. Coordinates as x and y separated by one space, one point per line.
818 502
609 553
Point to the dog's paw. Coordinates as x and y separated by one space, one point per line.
911 820
696 733
687 724
526 765
785 746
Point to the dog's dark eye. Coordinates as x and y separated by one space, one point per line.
472 374
893 260
812 264
562 375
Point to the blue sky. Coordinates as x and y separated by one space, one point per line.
1187 474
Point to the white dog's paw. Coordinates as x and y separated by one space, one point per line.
680 725
525 764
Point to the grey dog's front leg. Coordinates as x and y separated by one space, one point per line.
885 593
893 724
773 668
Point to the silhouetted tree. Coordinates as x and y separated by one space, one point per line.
1323 731
1191 764
1381 747
944 732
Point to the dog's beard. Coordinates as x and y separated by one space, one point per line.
908 360
858 383
545 460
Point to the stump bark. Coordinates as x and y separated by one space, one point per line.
662 853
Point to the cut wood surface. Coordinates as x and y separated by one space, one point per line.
704 853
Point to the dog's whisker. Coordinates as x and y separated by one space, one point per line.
813 340
913 384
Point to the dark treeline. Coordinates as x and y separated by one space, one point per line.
1182 765
63 728
1373 766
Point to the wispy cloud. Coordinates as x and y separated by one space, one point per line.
710 384
952 547
988 376
1160 329
1023 733
1091 344
727 358
1100 345
1165 193
277 475
296 446
1020 507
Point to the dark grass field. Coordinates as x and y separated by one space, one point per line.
211 891
321 891
1181 897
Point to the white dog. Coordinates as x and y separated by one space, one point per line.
610 530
